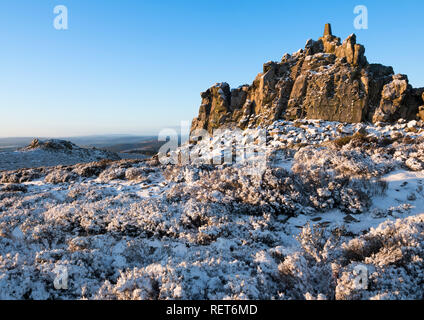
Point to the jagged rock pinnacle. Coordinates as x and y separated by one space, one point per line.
329 80
327 30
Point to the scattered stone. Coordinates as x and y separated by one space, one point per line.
348 219
412 124
412 196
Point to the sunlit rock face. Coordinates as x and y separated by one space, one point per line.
328 79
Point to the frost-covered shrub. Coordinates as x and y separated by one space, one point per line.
393 254
21 176
322 178
150 283
60 176
140 230
274 191
91 169
337 163
310 273
114 172
414 164
140 174
338 178
14 188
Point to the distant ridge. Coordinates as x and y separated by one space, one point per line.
52 152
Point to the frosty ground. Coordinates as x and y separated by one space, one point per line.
293 222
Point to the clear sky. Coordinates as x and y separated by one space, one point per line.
135 66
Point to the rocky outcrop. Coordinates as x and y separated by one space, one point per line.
328 80
53 152
398 100
50 145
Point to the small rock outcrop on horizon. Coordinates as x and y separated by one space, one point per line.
50 145
52 152
328 80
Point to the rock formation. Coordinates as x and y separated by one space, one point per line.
327 80
50 145
52 152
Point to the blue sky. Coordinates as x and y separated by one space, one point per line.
135 66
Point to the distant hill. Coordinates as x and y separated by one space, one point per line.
53 152
147 145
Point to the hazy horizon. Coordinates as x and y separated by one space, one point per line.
141 134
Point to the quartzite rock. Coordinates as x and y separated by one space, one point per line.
328 80
398 101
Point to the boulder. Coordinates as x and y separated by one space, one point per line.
353 52
215 107
421 108
421 112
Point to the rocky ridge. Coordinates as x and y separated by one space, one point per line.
328 80
52 152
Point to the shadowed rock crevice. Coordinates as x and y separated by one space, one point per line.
328 80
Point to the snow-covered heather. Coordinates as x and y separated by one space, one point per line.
317 200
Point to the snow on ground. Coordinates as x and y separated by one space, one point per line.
404 197
290 217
